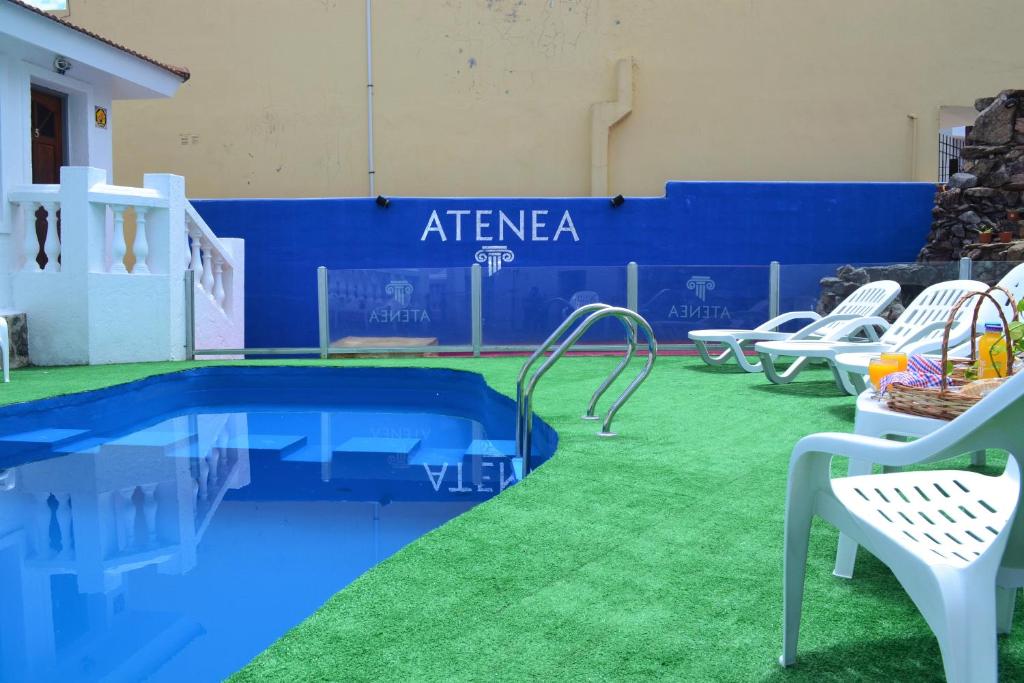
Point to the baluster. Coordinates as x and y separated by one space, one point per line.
120 248
197 257
149 510
218 281
204 476
141 246
51 245
207 268
31 239
127 517
64 524
43 518
214 461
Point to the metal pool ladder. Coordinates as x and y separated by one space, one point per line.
630 320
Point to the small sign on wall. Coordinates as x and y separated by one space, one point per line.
101 117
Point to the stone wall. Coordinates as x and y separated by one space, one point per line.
990 185
17 328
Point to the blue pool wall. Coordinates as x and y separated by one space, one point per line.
708 223
112 411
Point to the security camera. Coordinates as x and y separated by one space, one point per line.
61 64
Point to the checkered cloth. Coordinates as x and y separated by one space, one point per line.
921 372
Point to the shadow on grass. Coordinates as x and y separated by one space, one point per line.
846 411
731 369
903 659
820 389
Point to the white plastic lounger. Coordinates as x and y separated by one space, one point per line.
855 364
952 538
869 300
920 325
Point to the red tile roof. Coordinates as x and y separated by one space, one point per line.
179 71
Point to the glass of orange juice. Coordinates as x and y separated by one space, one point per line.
879 368
899 358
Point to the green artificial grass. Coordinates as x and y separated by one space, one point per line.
657 554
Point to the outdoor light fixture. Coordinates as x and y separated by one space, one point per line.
383 201
61 64
617 201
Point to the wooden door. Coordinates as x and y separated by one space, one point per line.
47 153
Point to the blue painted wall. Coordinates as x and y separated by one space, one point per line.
708 223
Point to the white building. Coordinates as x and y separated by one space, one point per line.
97 269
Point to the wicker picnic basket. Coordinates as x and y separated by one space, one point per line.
945 402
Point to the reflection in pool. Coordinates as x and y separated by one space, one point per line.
171 529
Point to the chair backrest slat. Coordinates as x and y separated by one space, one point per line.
934 305
868 300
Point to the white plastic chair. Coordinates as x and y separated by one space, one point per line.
869 300
5 349
921 324
952 538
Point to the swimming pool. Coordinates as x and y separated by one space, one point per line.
173 528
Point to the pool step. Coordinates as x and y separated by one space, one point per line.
372 456
152 441
266 445
35 445
491 459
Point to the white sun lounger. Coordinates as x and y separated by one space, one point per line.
869 300
855 363
920 325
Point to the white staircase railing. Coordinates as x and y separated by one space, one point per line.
96 291
211 260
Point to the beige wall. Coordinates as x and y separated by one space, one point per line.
492 97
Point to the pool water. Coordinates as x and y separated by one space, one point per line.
172 529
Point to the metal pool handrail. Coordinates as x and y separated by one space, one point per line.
540 351
550 341
524 435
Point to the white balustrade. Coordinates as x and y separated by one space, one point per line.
119 248
42 516
63 514
210 260
141 246
126 516
51 246
28 210
196 262
218 281
149 504
207 279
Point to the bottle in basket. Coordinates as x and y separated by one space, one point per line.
992 353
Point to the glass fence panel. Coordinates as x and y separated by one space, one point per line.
822 286
525 305
406 306
678 299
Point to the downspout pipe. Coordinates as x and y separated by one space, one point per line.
371 171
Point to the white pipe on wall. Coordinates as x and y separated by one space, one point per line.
371 171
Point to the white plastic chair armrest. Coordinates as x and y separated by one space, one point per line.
868 323
917 340
785 318
853 322
868 449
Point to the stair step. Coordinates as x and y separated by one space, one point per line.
43 437
377 447
153 441
266 444
38 444
492 447
372 457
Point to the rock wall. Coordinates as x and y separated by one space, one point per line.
913 278
990 185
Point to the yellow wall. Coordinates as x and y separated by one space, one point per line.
493 97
